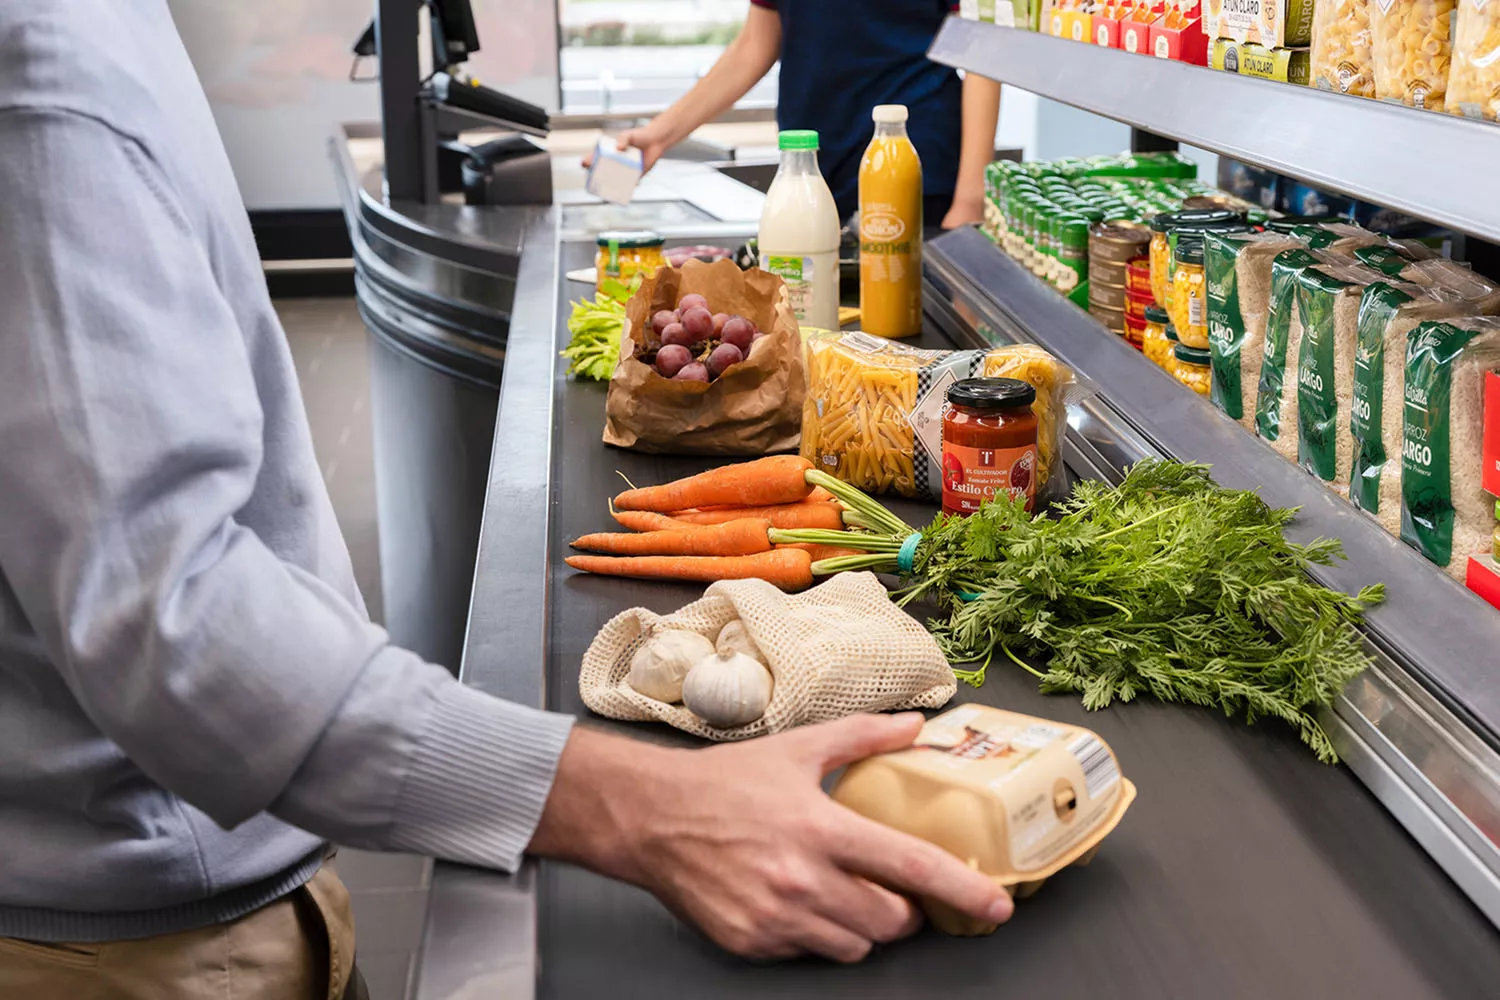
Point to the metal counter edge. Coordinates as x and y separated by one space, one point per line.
480 934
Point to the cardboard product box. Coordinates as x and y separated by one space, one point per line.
1490 480
1186 44
1135 34
1001 12
1073 25
1273 24
1108 26
1248 59
1483 577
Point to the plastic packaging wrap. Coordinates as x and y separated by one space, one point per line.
1474 83
1343 59
1413 45
873 413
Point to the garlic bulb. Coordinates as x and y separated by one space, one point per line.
727 691
658 667
734 638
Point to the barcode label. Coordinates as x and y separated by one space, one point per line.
1099 769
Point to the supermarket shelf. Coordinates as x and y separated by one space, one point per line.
1430 165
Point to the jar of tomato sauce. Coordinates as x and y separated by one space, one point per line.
989 443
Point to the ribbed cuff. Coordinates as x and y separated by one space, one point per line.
479 779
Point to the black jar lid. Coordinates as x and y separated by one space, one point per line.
992 393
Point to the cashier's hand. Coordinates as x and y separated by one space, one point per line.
741 839
650 141
964 211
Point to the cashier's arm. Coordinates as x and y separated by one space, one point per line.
981 114
741 840
745 61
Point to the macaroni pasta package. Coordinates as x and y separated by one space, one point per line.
873 415
1413 50
1343 58
1474 83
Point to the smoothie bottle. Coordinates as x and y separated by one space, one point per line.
799 232
890 229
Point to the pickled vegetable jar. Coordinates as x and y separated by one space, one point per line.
1188 294
989 443
1192 367
1154 343
624 253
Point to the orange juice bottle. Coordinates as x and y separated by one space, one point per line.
890 229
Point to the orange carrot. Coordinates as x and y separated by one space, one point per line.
821 552
819 495
788 569
786 515
644 520
773 480
733 538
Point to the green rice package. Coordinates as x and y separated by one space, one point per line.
1445 514
1238 271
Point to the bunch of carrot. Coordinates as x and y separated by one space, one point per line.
717 526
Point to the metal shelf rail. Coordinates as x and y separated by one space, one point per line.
1434 166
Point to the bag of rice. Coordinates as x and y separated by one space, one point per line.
1445 514
1238 269
1388 312
1275 407
1328 300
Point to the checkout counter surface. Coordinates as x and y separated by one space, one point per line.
1245 869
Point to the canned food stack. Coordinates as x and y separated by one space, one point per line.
1270 39
1078 224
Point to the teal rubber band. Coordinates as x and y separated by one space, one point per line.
906 558
967 596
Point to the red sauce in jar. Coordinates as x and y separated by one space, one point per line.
989 443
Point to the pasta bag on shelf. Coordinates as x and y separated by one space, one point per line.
1474 83
1343 59
1413 46
873 414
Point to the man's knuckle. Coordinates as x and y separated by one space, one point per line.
916 867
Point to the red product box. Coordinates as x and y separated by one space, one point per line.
1135 36
1188 44
1490 480
1483 577
1107 29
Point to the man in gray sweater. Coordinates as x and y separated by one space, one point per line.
193 702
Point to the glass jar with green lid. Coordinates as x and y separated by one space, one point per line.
1192 366
624 253
1187 295
1154 342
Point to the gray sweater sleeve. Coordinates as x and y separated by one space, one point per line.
130 434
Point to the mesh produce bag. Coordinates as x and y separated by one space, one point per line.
839 648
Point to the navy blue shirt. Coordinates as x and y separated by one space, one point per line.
839 60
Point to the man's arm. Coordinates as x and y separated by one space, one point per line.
130 435
744 61
981 113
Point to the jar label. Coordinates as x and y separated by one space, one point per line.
797 274
973 475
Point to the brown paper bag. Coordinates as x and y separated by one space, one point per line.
754 408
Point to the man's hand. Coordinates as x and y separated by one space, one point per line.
964 210
741 839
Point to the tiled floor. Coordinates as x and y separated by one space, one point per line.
328 344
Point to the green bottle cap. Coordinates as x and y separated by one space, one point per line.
798 138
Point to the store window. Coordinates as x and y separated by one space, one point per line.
624 56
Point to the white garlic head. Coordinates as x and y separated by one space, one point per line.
734 638
726 691
659 666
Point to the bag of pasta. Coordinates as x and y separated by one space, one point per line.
1413 50
1474 83
1342 59
873 414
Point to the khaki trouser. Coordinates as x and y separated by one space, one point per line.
300 947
